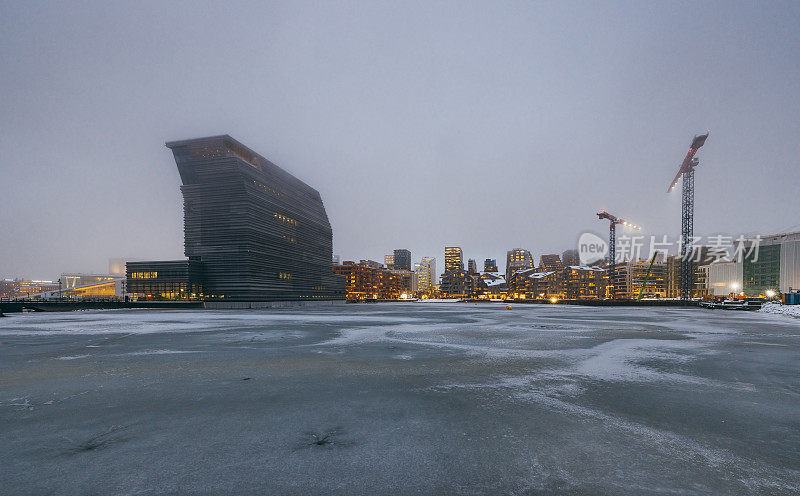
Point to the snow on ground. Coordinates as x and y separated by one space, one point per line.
791 310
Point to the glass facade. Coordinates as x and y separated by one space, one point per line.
764 273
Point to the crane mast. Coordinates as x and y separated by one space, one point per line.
612 245
690 162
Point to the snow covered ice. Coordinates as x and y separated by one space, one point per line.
411 398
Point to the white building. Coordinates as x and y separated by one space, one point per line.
790 264
724 278
425 275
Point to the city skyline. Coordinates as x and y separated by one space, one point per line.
430 131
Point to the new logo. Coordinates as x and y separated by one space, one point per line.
591 249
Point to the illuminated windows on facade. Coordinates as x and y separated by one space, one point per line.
144 275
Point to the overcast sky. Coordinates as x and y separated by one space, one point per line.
486 125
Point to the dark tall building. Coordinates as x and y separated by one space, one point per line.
490 265
402 260
258 233
472 266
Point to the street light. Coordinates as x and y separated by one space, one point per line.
770 293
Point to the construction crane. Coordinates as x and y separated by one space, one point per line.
612 245
690 162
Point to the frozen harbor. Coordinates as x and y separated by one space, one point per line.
401 399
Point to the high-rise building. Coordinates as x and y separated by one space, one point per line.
254 231
472 266
570 257
490 265
402 259
453 259
388 261
425 275
518 259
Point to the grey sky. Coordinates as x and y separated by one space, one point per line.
485 125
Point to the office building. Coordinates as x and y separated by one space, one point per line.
490 265
402 259
453 259
388 261
425 275
472 267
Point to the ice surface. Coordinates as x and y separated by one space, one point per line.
405 398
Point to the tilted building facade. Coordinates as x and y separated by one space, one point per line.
258 233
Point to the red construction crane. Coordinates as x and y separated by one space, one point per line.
687 212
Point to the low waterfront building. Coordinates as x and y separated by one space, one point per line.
582 282
166 280
25 288
456 284
630 276
366 281
492 286
76 285
533 284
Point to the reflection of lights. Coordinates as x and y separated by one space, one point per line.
770 293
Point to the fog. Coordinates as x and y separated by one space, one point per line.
422 125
